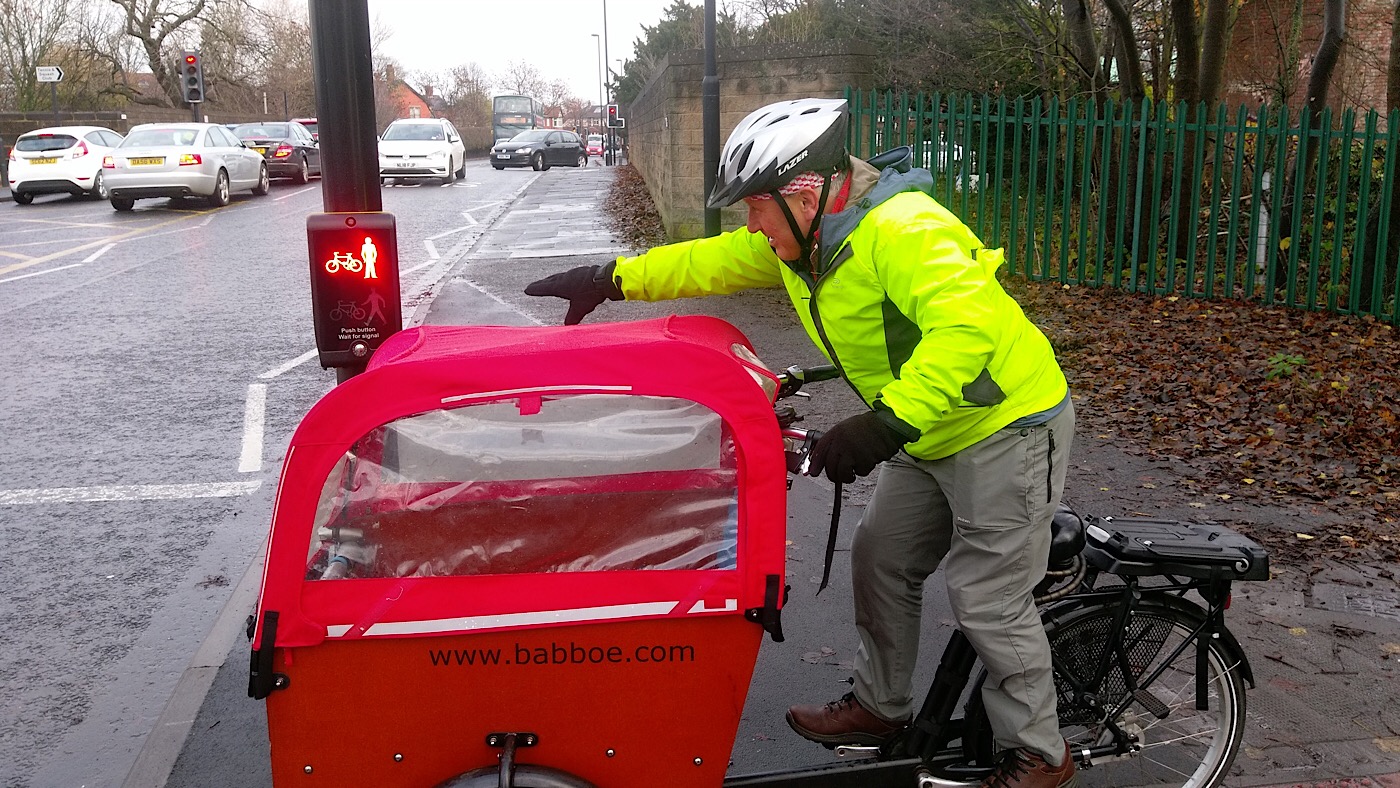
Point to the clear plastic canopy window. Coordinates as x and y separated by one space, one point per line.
568 483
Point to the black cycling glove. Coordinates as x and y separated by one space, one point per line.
856 445
585 287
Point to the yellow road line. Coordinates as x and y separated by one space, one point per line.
60 222
15 255
100 242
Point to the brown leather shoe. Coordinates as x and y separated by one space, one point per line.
842 721
1025 769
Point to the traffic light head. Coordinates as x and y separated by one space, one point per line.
191 77
612 116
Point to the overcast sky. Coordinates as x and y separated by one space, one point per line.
555 36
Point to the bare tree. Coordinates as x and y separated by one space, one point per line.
555 93
157 25
30 31
522 79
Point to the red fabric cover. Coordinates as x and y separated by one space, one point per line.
686 357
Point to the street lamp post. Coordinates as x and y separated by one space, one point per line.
597 39
608 152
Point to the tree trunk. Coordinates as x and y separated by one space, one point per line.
1392 82
1328 52
1082 45
1188 91
1215 40
1133 88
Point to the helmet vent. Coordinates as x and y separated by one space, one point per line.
810 111
744 157
778 119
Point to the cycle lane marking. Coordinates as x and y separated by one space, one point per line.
254 412
127 492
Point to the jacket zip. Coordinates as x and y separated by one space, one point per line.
821 330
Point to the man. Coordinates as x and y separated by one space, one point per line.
968 409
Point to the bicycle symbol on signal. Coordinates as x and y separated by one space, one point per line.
343 260
353 264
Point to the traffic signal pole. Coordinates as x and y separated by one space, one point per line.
340 55
344 78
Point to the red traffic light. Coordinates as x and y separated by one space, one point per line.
191 59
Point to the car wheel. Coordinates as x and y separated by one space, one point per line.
582 160
123 204
22 198
220 196
462 170
304 173
499 166
99 187
451 173
264 183
537 162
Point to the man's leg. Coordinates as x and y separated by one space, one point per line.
898 544
1003 492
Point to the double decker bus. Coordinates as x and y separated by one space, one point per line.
511 115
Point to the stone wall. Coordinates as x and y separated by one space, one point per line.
664 123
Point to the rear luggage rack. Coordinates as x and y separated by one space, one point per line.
1132 546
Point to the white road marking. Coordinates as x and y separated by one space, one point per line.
250 461
206 221
432 250
98 253
502 302
289 366
293 194
40 273
128 492
498 202
471 219
418 267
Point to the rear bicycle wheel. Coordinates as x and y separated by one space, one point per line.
1189 747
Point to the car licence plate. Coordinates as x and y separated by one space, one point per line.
43 161
146 161
260 151
403 164
503 155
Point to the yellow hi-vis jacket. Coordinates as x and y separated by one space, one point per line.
905 302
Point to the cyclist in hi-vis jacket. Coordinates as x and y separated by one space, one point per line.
969 410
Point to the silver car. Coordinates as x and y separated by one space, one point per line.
182 160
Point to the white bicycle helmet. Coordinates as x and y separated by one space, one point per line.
776 143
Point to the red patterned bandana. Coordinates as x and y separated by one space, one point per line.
807 180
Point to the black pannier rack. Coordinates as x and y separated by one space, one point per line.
1129 546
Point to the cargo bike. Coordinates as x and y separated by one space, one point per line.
546 558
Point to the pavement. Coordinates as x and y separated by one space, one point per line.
1324 641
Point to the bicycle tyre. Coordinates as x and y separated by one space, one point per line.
1189 748
526 776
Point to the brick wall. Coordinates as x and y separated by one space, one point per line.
1255 57
664 123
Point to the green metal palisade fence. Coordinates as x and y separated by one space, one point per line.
1143 198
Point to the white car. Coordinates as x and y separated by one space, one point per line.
182 160
421 148
60 160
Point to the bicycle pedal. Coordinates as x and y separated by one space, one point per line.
1151 703
855 751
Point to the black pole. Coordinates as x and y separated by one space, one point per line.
53 94
287 115
340 55
608 156
709 117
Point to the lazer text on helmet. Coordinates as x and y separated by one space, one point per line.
793 162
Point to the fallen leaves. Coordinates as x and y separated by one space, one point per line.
1260 403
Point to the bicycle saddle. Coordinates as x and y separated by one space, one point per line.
1066 537
901 158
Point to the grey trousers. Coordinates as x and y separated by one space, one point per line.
988 509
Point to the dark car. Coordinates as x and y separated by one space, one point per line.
288 149
540 149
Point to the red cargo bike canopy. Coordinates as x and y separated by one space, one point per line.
526 509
